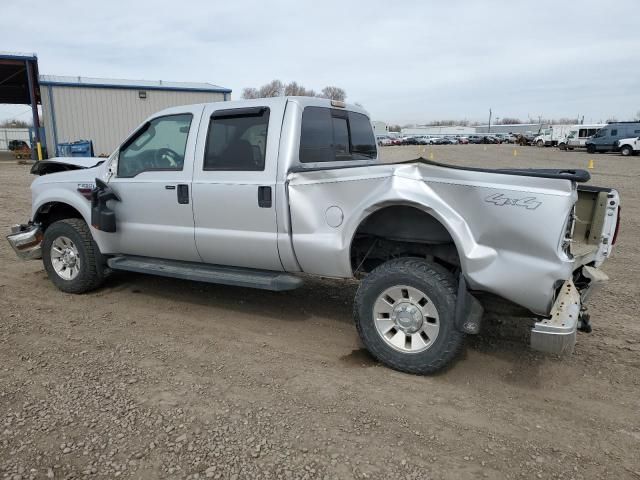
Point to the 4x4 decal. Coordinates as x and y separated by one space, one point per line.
530 203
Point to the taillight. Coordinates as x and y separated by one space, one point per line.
615 233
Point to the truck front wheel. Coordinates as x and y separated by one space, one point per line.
626 151
71 258
404 313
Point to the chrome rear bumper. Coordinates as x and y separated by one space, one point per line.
26 241
557 334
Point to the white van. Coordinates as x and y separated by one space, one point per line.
577 136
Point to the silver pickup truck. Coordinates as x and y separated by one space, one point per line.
253 193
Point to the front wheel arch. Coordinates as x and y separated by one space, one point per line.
51 212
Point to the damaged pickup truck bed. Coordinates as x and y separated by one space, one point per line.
253 193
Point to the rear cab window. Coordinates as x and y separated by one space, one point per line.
335 135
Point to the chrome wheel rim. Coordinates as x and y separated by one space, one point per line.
65 258
406 319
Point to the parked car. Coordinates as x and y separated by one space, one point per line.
423 140
463 140
447 141
18 145
476 139
410 141
606 138
385 141
253 193
628 146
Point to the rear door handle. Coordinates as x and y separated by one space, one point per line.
264 197
183 193
170 187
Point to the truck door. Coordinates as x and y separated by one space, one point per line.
234 185
154 216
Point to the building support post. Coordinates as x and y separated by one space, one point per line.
37 153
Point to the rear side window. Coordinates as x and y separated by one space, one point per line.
614 132
330 135
237 140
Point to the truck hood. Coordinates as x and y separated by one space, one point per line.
64 164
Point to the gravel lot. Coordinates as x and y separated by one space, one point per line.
157 378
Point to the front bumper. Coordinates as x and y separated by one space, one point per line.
557 334
26 241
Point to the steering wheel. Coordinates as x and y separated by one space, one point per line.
166 158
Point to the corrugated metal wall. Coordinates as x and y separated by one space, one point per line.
106 115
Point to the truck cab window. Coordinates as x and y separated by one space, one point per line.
330 135
237 141
160 144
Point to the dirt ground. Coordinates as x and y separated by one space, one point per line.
151 377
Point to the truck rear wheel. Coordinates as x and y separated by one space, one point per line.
71 257
591 148
404 313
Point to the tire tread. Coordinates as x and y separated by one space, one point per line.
428 272
94 275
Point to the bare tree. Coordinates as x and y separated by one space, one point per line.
334 93
637 119
13 123
566 121
250 93
395 128
509 121
612 119
276 88
448 123
293 89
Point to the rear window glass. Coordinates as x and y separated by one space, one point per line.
330 135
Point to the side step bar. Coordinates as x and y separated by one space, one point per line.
201 272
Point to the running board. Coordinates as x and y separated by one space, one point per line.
202 272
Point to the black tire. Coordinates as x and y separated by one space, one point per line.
435 282
591 149
92 269
540 143
626 151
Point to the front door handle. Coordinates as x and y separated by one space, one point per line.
183 193
264 197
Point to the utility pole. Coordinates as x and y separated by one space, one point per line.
489 121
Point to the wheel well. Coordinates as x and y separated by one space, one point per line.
53 211
401 231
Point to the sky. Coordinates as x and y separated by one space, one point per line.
405 61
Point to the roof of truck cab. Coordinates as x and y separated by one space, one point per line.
272 101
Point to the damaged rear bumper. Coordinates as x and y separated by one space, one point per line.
26 241
557 334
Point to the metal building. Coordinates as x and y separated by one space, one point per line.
105 110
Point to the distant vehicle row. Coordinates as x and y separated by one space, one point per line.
600 137
384 140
